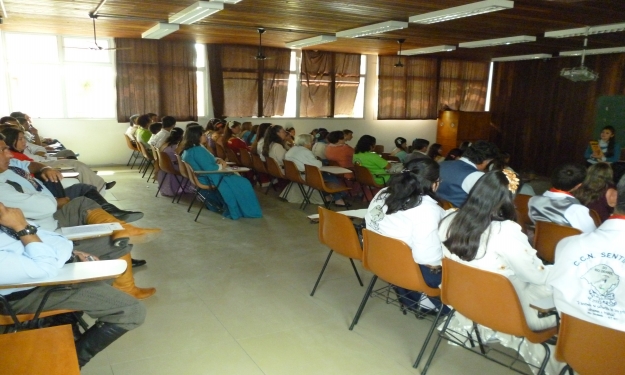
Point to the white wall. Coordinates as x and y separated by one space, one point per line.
101 142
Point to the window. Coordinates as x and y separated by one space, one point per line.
200 63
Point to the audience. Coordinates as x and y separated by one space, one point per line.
348 135
259 140
319 148
171 185
251 135
338 151
453 154
143 133
558 205
132 127
401 149
365 157
273 144
436 153
419 150
157 140
598 191
246 131
231 138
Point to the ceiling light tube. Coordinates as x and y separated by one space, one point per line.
580 31
498 41
462 11
523 57
228 1
597 51
321 39
160 30
421 51
377 28
196 12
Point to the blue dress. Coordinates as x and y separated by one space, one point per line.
239 199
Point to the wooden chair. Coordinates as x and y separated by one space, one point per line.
588 348
595 217
294 175
199 187
490 300
46 351
232 157
391 260
365 179
135 151
546 237
314 179
523 218
167 166
220 151
337 232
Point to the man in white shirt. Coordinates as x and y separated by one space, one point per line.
558 205
587 277
159 138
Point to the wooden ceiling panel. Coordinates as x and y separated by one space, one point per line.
290 20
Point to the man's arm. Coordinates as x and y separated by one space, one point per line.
47 173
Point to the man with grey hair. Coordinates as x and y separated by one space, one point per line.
587 277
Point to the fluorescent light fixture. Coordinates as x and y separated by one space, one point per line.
598 51
196 12
321 39
523 57
421 51
580 31
377 28
498 42
462 11
228 1
160 30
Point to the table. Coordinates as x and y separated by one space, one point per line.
545 307
335 170
355 214
74 273
225 170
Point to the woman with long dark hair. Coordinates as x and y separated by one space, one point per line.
169 183
231 138
364 155
239 199
436 152
606 149
259 139
273 146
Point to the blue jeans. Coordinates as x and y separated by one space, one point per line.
433 280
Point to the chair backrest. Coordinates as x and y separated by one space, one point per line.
259 164
546 237
246 159
274 168
232 156
389 157
364 176
338 233
391 260
165 163
144 151
590 349
378 149
49 351
523 218
595 217
292 173
182 167
219 149
314 178
130 144
193 177
446 205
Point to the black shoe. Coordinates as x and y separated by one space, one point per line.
138 262
109 185
96 339
127 216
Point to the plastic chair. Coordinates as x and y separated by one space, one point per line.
232 156
166 165
276 171
546 237
588 348
135 151
445 205
246 159
314 179
337 232
378 149
259 166
294 175
365 179
391 260
490 300
12 322
148 158
220 151
198 189
157 162
183 171
595 217
49 351
523 218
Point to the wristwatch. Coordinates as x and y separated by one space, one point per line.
30 229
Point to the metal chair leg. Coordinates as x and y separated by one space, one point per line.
429 336
356 271
321 274
363 302
438 342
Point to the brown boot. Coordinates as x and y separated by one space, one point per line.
126 282
99 216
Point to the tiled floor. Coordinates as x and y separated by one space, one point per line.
233 298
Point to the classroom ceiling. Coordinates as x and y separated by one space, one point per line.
291 20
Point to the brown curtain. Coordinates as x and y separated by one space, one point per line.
156 76
462 85
329 83
546 120
235 77
408 92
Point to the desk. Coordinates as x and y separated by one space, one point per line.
545 307
70 174
74 273
225 170
335 170
355 214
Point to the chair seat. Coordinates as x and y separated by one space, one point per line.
335 188
6 320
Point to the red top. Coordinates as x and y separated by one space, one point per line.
21 156
235 144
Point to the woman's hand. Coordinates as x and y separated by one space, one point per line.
221 162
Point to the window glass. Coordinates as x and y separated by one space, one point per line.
32 48
84 50
90 91
36 89
200 53
201 97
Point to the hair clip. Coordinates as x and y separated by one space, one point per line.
513 180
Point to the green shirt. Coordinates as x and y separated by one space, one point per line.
375 164
143 135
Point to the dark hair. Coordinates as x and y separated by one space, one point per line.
365 144
168 121
321 135
464 145
143 121
260 134
175 136
228 133
419 143
271 136
22 121
347 131
150 114
155 127
453 154
335 136
7 119
434 150
399 141
132 120
489 200
610 151
620 200
17 114
499 163
11 134
598 178
192 136
567 176
405 189
480 151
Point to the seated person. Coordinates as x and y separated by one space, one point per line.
401 149
598 191
236 194
419 150
349 135
483 234
558 205
143 133
168 123
301 154
154 129
132 128
273 144
231 138
170 184
609 151
259 139
337 150
28 253
436 153
407 210
587 275
364 156
319 148
453 154
459 176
